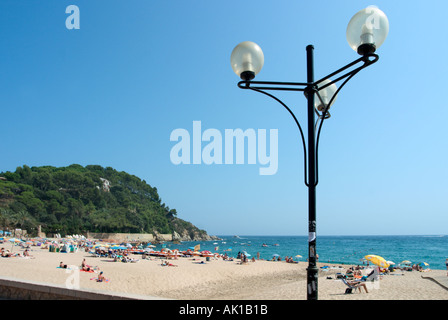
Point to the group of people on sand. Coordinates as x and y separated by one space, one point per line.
354 272
417 267
8 254
354 277
225 257
110 253
87 268
116 255
84 266
243 258
117 258
290 260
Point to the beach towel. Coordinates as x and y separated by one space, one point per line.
65 268
90 271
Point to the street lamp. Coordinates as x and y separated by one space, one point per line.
366 32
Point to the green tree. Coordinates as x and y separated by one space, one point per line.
5 218
33 204
72 199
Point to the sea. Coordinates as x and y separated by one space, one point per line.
432 249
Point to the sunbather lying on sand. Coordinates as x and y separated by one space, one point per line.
127 259
166 263
8 254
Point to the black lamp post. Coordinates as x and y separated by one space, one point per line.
366 31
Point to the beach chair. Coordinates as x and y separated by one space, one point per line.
351 287
373 275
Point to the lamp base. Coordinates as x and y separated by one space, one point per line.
366 48
247 75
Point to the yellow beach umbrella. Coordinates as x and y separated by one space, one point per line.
379 261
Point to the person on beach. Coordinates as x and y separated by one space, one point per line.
350 272
359 284
6 254
101 278
86 267
3 253
446 264
166 263
62 265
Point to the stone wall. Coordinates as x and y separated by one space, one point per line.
14 289
130 237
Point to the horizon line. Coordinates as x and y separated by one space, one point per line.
331 235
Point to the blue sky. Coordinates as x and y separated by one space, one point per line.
112 92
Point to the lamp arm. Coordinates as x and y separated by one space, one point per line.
300 86
273 85
323 117
296 121
367 62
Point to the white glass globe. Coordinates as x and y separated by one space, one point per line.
247 59
326 95
367 30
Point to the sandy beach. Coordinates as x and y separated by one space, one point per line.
215 279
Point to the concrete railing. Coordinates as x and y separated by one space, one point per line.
16 289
